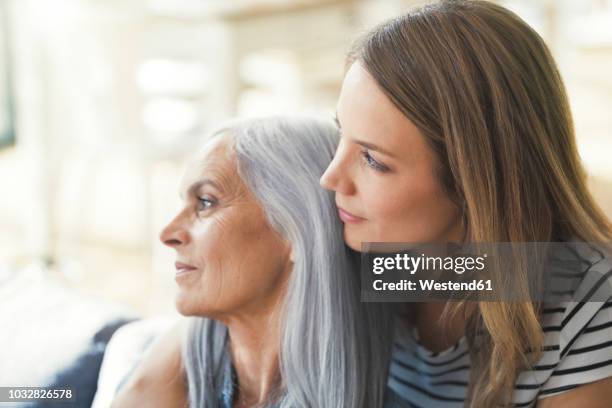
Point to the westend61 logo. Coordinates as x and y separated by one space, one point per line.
533 271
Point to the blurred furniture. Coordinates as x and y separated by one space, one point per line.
123 353
217 37
53 336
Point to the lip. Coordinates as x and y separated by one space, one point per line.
348 217
183 267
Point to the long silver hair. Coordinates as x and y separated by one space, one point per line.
335 350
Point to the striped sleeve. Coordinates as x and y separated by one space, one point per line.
586 348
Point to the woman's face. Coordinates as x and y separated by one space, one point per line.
239 262
383 172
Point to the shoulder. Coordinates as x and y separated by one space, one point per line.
593 395
581 347
159 379
582 328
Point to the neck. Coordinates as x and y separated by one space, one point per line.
434 333
255 351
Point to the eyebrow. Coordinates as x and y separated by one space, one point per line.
374 147
367 145
195 186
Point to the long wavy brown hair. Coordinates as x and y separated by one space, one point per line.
484 90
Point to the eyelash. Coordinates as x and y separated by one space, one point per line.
371 162
368 159
202 201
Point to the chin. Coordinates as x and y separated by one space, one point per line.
186 306
183 308
352 242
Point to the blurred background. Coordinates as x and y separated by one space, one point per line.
103 101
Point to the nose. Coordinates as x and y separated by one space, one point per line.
329 179
336 177
174 235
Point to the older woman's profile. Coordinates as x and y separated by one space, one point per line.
271 291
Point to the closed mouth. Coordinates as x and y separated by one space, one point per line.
183 267
347 216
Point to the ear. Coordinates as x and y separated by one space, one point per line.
291 256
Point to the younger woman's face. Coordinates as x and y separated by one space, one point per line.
240 263
383 172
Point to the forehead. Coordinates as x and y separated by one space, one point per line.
366 113
214 162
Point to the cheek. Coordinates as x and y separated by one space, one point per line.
416 197
215 236
215 245
417 210
239 257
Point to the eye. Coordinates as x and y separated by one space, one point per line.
206 203
370 161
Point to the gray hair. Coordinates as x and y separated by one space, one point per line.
335 350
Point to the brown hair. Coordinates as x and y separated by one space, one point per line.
484 90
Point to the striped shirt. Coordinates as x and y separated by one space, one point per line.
577 350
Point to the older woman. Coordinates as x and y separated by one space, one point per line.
262 268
